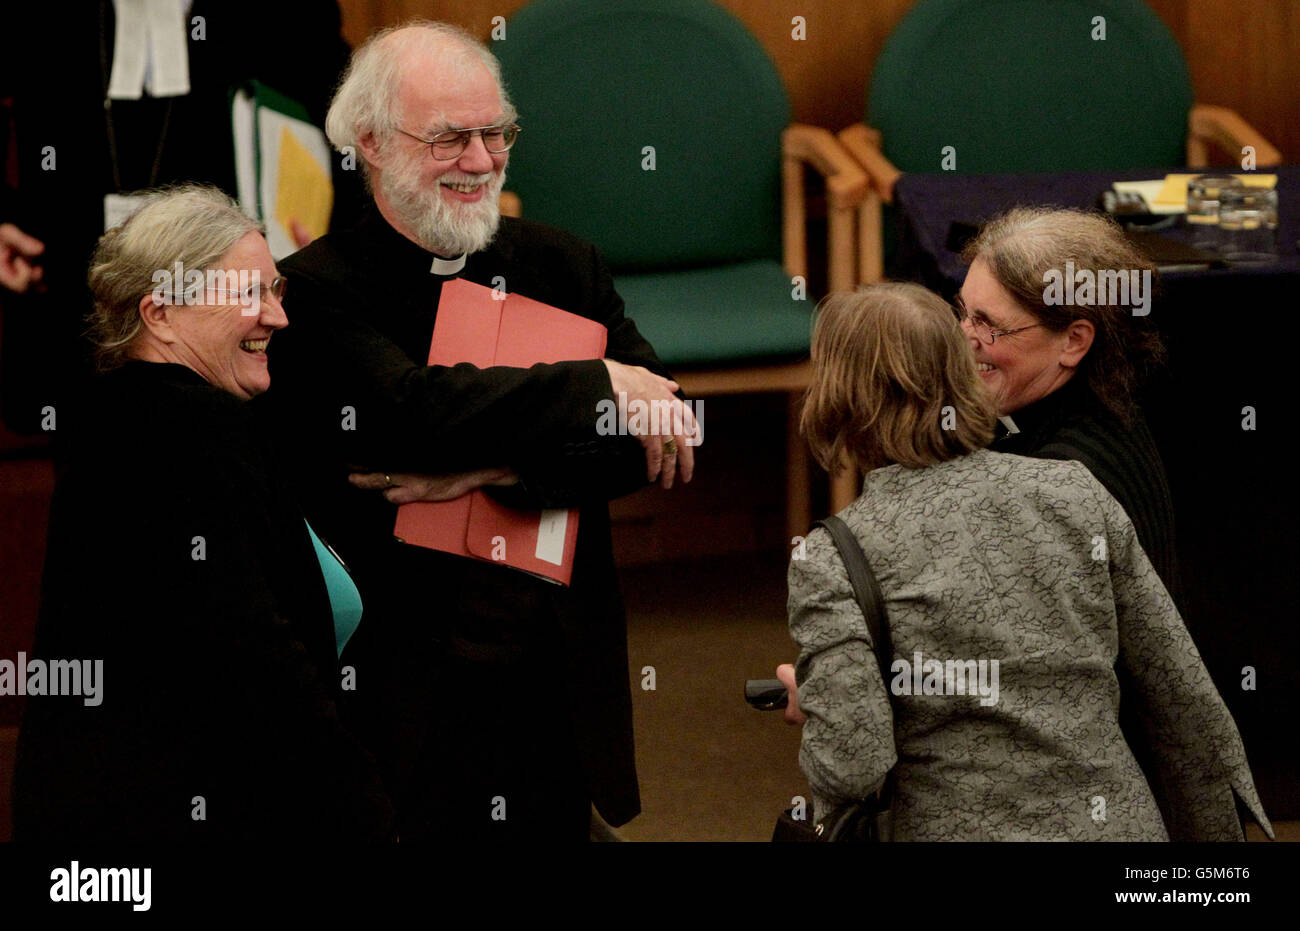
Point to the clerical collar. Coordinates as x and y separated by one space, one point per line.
443 266
1030 420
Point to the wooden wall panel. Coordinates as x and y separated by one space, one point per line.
1245 54
1255 70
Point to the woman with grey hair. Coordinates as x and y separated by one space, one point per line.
180 579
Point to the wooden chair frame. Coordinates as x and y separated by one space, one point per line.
846 184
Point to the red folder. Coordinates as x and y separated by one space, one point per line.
485 328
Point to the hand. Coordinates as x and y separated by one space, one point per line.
403 488
301 235
17 249
666 417
785 672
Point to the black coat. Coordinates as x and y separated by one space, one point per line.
361 311
219 673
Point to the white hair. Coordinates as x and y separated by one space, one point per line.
366 100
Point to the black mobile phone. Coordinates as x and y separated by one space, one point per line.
766 694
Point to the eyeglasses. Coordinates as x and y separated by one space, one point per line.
450 144
981 327
255 293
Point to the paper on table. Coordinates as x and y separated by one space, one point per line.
1149 191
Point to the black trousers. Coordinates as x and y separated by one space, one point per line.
500 762
474 738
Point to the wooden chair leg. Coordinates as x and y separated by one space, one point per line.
871 249
798 487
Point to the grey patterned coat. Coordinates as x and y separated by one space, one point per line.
1033 564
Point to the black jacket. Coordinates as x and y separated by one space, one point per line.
361 311
219 672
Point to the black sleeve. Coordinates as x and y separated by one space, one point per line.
339 379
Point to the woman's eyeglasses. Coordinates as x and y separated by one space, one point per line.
983 330
255 293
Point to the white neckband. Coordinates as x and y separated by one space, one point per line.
443 266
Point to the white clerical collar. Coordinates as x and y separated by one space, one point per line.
1009 423
443 266
149 50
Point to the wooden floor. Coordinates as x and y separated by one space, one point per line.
711 768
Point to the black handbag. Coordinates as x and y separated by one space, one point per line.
867 820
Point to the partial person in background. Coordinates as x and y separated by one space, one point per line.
181 577
110 98
1012 589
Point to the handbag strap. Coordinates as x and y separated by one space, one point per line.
867 590
872 603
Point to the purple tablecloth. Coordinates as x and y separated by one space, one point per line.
928 204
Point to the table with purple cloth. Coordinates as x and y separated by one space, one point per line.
1229 336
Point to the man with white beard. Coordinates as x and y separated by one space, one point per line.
498 704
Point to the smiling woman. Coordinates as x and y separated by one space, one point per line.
177 559
1066 375
1095 336
219 333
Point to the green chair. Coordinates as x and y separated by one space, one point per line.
660 131
1025 86
1031 85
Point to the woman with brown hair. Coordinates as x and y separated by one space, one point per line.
1056 309
1012 587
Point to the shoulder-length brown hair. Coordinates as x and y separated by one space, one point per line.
893 380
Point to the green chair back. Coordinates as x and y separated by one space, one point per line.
651 128
1023 85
